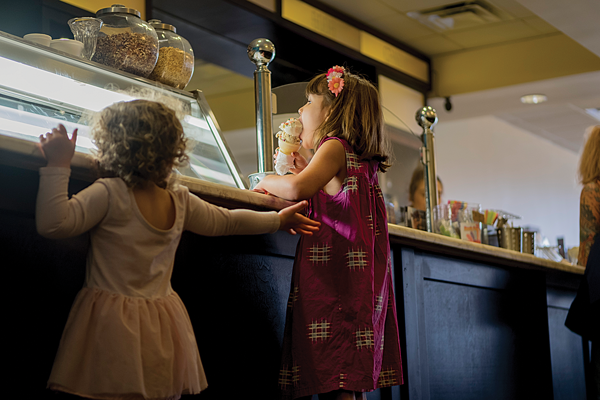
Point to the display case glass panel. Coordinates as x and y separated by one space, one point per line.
41 87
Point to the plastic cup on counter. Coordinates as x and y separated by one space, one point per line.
442 221
461 214
39 38
70 46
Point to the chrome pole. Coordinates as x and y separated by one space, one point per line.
426 117
261 52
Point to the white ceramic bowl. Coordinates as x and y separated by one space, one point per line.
73 47
38 38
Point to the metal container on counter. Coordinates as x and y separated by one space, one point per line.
510 238
175 64
125 41
528 242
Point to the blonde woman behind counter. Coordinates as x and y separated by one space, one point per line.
589 176
584 313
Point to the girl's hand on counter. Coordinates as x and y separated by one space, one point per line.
57 148
258 189
293 223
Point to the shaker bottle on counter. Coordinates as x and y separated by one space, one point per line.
125 41
175 64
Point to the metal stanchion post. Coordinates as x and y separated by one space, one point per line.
261 52
426 117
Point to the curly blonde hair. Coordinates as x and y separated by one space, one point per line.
589 163
139 141
354 115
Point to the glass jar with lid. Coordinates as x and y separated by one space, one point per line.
175 64
125 41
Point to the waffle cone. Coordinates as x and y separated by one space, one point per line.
288 148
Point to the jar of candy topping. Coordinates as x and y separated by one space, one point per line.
125 41
175 64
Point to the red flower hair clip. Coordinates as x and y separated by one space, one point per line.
335 82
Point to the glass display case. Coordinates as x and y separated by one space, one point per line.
41 87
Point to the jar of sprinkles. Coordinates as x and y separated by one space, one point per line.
175 64
125 41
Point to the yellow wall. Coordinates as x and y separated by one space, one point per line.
234 110
320 22
385 53
95 5
510 64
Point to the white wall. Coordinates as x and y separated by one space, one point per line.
488 161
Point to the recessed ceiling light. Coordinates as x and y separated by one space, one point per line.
533 98
594 112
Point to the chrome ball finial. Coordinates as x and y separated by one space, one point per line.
261 51
426 117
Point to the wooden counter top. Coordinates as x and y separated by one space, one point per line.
23 154
474 251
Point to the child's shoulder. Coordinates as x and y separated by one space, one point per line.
180 191
112 183
343 141
118 185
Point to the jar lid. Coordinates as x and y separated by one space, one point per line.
158 24
118 8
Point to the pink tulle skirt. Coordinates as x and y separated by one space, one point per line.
121 347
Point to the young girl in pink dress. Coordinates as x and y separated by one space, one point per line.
128 335
341 335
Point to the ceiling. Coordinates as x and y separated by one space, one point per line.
489 59
530 46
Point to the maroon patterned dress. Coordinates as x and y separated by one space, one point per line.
341 329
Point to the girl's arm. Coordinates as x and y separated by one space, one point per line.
209 220
56 216
327 163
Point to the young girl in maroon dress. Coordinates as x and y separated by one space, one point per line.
341 333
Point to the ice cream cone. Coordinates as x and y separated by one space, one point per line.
288 148
289 142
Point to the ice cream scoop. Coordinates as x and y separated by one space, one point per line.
289 142
289 136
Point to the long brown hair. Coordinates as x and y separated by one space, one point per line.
589 163
354 115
